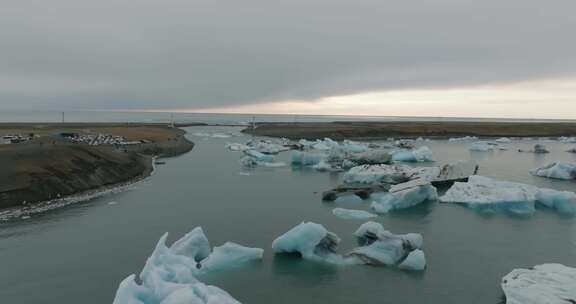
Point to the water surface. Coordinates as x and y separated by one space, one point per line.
80 253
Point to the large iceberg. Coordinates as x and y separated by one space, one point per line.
488 195
547 283
171 274
422 154
558 170
351 214
404 195
312 241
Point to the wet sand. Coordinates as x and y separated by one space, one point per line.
379 130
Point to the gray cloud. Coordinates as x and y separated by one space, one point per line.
189 53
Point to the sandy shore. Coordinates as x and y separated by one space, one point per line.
379 130
48 167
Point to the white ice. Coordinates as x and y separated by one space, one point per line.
422 154
557 170
543 284
463 139
405 195
351 214
416 261
171 274
312 241
488 195
388 174
503 140
482 146
306 158
228 256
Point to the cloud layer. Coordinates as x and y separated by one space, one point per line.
196 54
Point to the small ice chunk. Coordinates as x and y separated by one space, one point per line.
547 283
416 261
350 214
422 154
405 195
370 232
558 170
353 147
310 240
348 199
228 256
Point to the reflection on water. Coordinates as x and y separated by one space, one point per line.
78 254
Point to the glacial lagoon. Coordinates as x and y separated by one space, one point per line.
80 253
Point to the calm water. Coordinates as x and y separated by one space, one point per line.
79 254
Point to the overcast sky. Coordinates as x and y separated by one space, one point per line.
189 54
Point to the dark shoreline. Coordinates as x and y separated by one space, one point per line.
381 130
48 168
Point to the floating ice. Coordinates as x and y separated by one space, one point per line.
558 170
322 166
349 214
463 139
567 140
457 171
482 146
405 195
229 256
416 260
387 174
348 199
306 158
503 140
372 157
385 248
573 150
353 147
422 154
538 149
547 283
310 240
170 274
258 156
488 195
269 147
236 147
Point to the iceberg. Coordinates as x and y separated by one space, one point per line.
538 149
462 139
258 156
503 140
422 154
350 214
557 170
567 140
405 195
482 146
416 261
372 157
383 248
348 199
353 147
171 274
269 147
387 174
312 241
547 283
458 171
306 158
322 166
487 195
237 147
229 256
